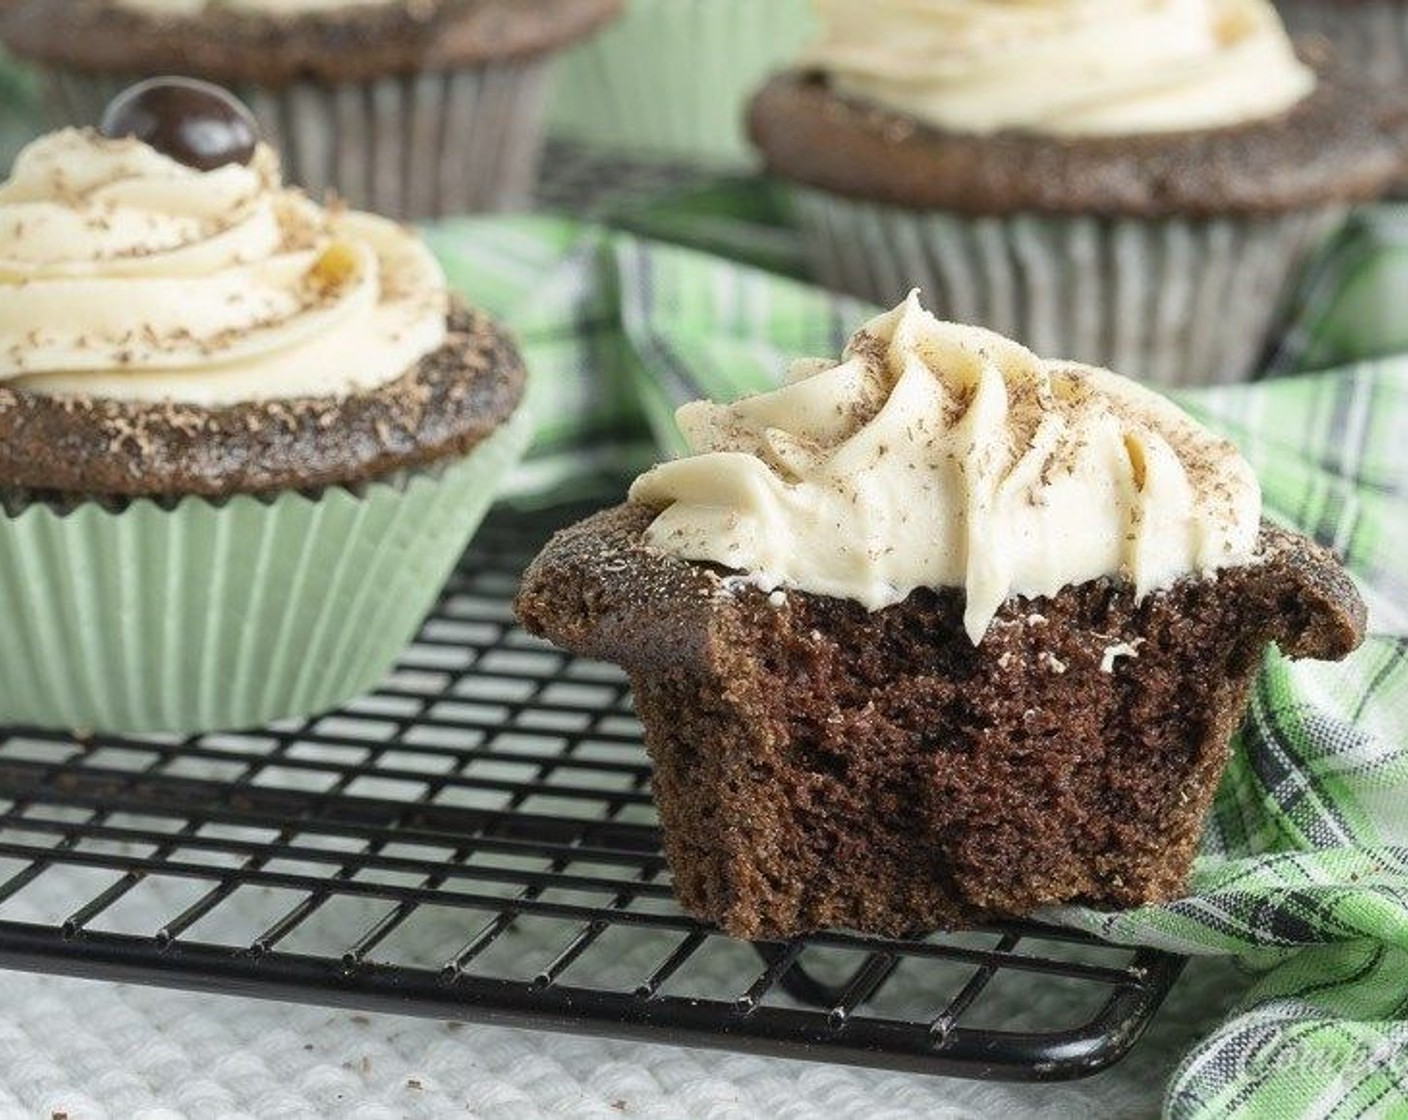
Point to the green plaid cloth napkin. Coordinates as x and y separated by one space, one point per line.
1303 871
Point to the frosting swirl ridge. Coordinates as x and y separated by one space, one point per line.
1064 67
937 455
129 276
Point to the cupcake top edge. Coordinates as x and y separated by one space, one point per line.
130 276
1068 68
938 455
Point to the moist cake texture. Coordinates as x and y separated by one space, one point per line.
817 764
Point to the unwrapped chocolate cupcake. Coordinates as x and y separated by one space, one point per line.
243 438
939 633
1131 185
410 108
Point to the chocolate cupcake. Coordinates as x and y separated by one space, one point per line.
243 438
410 108
939 634
1133 186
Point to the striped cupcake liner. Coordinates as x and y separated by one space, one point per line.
671 79
205 616
412 147
1178 301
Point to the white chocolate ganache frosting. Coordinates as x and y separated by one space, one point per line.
936 455
128 276
1064 67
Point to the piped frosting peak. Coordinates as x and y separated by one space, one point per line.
129 276
938 455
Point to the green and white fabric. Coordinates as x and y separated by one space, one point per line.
1303 872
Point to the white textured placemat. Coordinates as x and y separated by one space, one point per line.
89 1050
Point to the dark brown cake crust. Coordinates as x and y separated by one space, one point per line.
354 44
818 765
447 404
1341 144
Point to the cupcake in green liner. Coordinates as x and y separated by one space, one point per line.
670 80
243 438
411 108
1130 185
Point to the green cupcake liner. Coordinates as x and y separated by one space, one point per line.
224 616
671 79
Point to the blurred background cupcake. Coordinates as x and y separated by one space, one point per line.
1133 186
670 81
243 437
413 108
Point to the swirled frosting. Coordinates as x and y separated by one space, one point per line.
129 276
937 455
1064 67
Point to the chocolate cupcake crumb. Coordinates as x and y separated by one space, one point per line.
818 765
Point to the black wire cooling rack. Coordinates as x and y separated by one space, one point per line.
476 841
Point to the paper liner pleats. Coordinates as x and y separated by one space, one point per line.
1177 301
411 147
203 616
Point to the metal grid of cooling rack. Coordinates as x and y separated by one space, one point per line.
476 841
